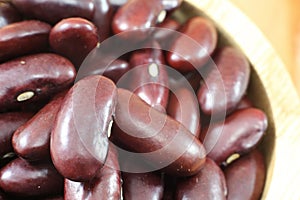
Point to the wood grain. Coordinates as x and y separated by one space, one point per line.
283 178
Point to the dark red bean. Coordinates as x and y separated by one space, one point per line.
183 107
74 38
103 18
33 78
21 178
231 75
163 36
55 10
79 138
149 77
141 186
146 130
171 4
209 184
31 141
246 177
8 14
244 103
106 185
137 15
186 54
239 134
22 38
100 64
9 122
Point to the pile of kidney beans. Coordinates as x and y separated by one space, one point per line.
161 122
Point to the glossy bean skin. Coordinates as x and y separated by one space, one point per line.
136 15
209 184
106 185
31 141
186 55
74 38
42 74
8 14
79 139
171 4
245 177
234 70
102 17
9 122
142 186
104 65
240 133
149 77
144 129
55 10
21 178
183 107
21 38
165 38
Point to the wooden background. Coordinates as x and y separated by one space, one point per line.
279 20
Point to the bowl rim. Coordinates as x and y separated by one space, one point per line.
285 106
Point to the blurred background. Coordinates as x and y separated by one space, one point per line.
279 20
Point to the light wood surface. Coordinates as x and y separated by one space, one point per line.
283 178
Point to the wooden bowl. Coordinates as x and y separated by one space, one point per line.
270 89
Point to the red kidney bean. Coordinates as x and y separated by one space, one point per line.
208 184
183 107
149 77
148 130
22 38
38 77
31 141
171 4
240 133
8 14
231 75
142 186
106 184
21 178
9 122
102 18
74 38
80 131
244 103
186 54
136 15
246 177
55 10
163 36
100 64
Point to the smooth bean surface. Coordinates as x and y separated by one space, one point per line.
136 15
8 14
79 138
21 178
143 129
9 122
149 77
74 38
246 177
21 38
106 185
31 141
55 10
240 133
208 184
230 76
183 107
33 78
186 54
